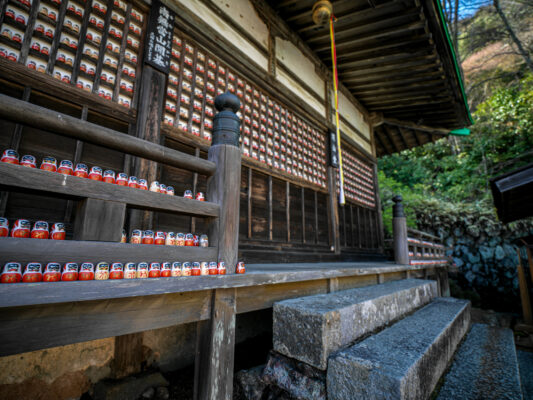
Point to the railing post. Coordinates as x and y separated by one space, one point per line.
399 232
215 344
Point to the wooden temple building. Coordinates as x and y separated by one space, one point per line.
131 87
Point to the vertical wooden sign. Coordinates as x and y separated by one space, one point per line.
159 37
333 150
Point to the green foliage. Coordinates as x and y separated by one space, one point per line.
457 170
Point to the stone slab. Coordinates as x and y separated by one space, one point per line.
128 388
310 328
299 380
404 361
484 367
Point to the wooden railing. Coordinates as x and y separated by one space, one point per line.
413 247
101 215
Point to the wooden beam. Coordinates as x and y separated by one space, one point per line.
397 81
395 88
377 135
427 61
49 120
270 219
19 177
382 34
392 142
418 127
40 327
344 33
384 59
249 204
288 210
62 251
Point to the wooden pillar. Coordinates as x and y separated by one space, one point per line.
100 220
151 101
213 377
333 212
524 292
215 343
399 232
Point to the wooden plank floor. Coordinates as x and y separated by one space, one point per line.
26 294
36 316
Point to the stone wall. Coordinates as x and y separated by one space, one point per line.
483 251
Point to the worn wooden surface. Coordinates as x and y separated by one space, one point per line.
39 327
42 118
36 179
128 356
101 220
222 189
524 292
215 351
39 250
42 315
25 294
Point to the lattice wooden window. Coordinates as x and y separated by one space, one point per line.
359 182
270 132
92 44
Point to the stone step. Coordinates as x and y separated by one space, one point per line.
310 328
404 361
484 367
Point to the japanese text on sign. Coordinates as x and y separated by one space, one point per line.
159 43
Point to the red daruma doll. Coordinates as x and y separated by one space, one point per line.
136 236
58 231
187 194
196 269
49 164
32 273
10 156
122 179
130 271
155 187
109 176
213 268
176 269
66 167
186 269
132 182
81 171
162 188
4 227
117 271
160 238
142 184
28 161
142 270
180 239
52 272
123 238
148 237
40 230
21 229
200 196
195 240
96 174
70 272
166 270
101 272
155 270
86 272
189 239
12 273
240 268
221 268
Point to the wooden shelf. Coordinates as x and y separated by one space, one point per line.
20 177
62 251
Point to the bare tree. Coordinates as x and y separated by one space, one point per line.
523 52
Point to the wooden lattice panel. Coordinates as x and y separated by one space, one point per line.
92 44
270 133
358 179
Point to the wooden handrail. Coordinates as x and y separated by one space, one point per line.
420 233
42 118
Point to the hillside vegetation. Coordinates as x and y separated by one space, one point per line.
445 184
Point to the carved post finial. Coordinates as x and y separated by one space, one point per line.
226 124
397 208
